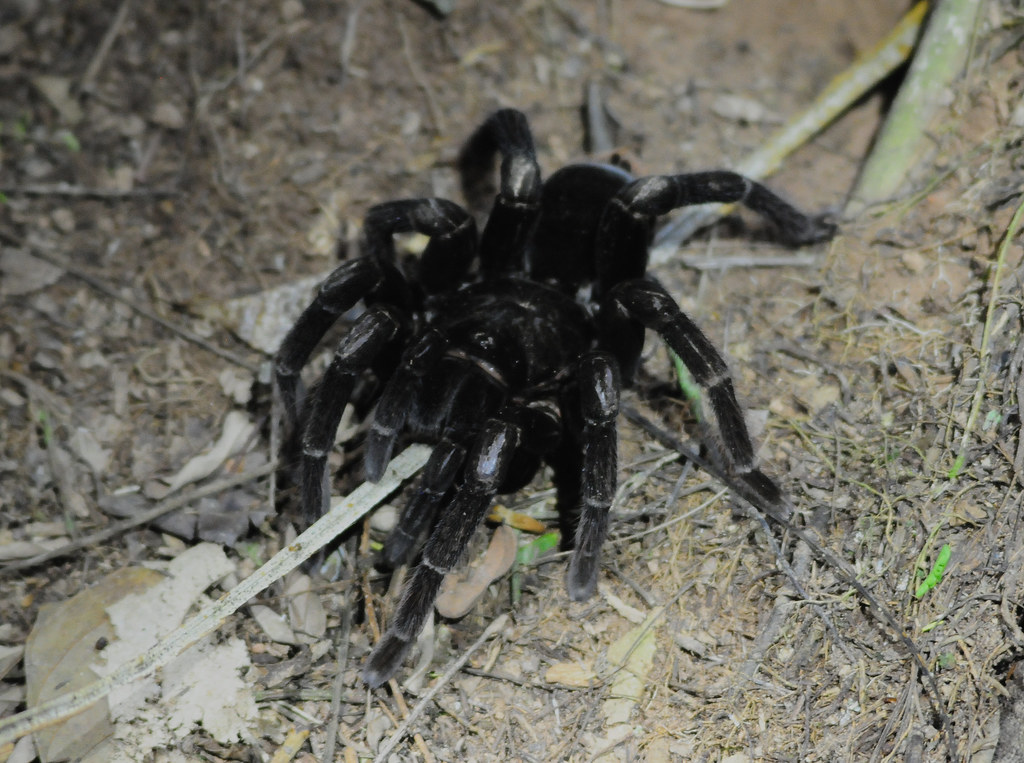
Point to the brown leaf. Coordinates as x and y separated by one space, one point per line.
60 650
570 674
458 594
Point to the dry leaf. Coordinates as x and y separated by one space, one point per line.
631 657
236 432
273 624
202 685
737 108
24 274
9 657
570 674
459 594
632 614
25 549
88 449
60 652
168 115
305 608
57 91
519 521
262 320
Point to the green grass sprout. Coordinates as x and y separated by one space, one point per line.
526 554
70 141
43 419
935 576
687 384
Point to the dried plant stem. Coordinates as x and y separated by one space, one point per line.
143 518
492 630
986 336
939 60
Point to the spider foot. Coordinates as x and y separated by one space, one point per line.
761 491
814 230
412 612
581 578
385 659
585 563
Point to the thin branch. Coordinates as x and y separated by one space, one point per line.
416 72
106 43
83 192
986 336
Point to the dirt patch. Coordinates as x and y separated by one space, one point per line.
214 150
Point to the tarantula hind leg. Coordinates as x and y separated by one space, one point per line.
722 424
485 470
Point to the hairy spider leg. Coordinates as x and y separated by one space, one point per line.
452 232
438 476
372 332
627 223
514 211
540 433
337 294
401 390
599 384
540 425
485 470
375 278
723 427
443 407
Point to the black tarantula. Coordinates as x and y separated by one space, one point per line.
508 351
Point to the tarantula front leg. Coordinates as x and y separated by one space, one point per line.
448 398
512 218
452 232
342 289
485 470
624 232
402 392
375 278
599 383
374 330
646 302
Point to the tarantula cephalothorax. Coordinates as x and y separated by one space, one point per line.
508 351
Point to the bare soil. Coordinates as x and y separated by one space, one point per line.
203 151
